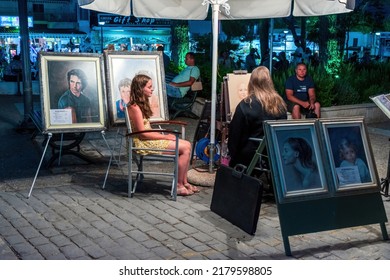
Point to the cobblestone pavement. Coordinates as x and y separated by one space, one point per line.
69 216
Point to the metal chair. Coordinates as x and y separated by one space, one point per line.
136 160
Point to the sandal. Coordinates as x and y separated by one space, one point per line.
184 192
192 188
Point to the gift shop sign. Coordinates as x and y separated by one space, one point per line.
115 20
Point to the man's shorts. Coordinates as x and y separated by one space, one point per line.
290 106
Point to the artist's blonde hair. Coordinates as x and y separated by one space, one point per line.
262 87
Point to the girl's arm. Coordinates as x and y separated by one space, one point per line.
137 120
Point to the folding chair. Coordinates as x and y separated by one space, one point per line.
136 160
260 162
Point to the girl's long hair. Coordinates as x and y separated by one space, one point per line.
137 95
262 87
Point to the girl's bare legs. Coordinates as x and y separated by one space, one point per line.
183 162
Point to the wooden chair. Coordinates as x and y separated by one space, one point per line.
136 160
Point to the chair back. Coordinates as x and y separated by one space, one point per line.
128 121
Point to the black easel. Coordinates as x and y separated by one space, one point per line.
385 181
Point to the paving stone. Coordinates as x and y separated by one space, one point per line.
28 232
164 253
94 251
122 226
19 222
187 229
72 251
92 233
14 239
138 235
81 240
49 232
60 240
40 240
177 234
158 235
47 249
113 233
5 251
24 249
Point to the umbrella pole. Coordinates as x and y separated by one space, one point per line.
213 84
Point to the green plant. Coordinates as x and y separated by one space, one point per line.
324 84
353 84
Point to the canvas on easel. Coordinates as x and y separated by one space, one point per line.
383 102
237 89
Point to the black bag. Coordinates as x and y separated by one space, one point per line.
311 115
237 197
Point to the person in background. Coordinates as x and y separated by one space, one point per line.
124 91
354 59
75 99
225 60
300 93
298 53
166 58
140 112
250 60
13 69
262 103
306 56
282 64
181 84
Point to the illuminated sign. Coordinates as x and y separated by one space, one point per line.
114 20
9 21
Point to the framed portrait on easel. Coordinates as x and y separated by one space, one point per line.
121 68
72 92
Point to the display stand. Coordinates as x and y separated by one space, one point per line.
121 133
40 164
334 208
383 103
330 213
385 182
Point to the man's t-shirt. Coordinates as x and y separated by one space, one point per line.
184 76
300 88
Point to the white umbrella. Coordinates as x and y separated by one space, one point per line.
231 9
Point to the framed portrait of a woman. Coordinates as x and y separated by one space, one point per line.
296 159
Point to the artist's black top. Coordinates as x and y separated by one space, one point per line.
247 122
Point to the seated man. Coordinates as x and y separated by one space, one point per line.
181 84
301 94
